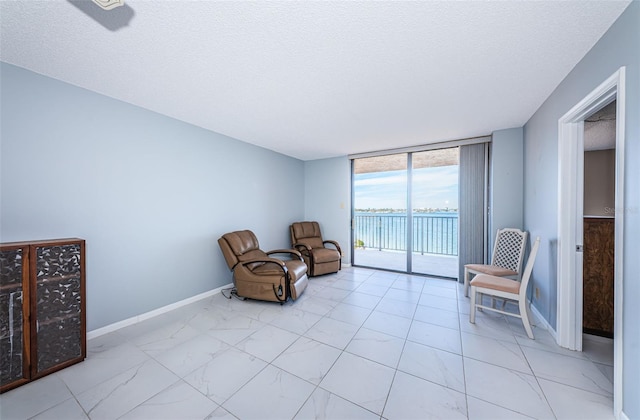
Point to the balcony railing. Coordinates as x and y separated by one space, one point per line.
432 234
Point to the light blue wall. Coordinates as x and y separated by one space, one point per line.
506 181
328 199
620 46
150 194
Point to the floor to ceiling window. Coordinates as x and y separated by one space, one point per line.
380 212
435 212
405 212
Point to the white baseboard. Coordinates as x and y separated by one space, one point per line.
540 322
142 317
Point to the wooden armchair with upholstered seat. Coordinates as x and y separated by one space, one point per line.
507 289
506 260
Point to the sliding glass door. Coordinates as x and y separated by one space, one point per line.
434 197
380 212
405 212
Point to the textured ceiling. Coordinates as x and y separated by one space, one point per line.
600 129
315 79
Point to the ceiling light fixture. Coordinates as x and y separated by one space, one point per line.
109 4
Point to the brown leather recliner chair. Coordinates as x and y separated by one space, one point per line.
306 238
257 275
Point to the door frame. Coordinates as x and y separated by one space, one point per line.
570 208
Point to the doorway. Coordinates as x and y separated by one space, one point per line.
599 224
570 221
405 212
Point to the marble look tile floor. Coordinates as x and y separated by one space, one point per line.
358 344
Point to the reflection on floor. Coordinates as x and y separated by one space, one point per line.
358 344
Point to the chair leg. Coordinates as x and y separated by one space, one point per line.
524 314
528 305
472 310
466 283
494 300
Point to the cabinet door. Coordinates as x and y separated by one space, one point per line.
59 306
14 326
598 276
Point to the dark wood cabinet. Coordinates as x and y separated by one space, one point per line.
42 308
598 276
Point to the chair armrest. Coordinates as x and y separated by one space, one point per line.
276 261
286 251
334 243
301 245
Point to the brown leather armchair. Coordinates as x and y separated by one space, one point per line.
257 275
306 238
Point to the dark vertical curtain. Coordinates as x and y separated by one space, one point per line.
472 206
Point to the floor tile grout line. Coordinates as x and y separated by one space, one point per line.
342 351
530 367
510 328
464 372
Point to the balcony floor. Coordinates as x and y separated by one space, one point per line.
430 264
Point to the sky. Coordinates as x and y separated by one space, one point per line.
432 188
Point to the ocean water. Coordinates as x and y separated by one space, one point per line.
433 233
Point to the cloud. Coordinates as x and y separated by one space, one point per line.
432 188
